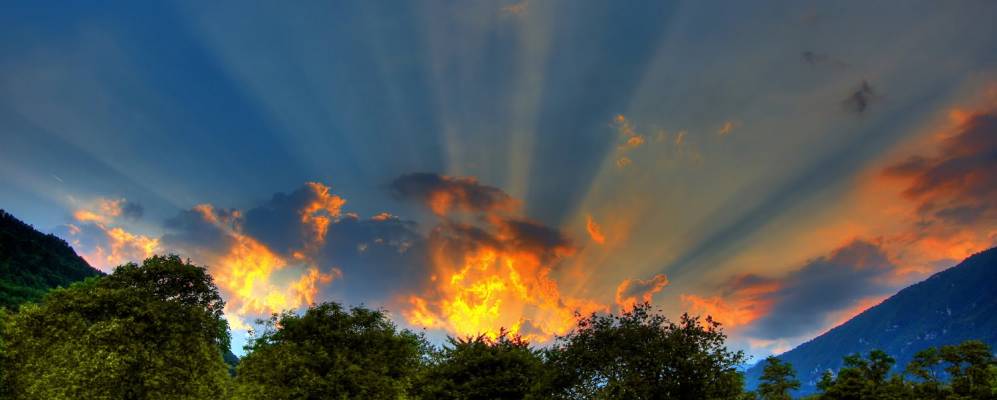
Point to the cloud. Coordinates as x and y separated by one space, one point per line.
256 279
104 210
744 299
726 128
807 297
106 247
445 194
959 184
497 272
595 232
283 253
290 222
638 291
860 99
95 232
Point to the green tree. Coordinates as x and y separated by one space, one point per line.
639 354
150 331
865 379
778 378
4 385
330 353
482 368
968 367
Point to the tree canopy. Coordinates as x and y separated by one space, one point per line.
149 331
482 368
640 354
330 352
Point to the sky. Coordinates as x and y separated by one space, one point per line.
468 166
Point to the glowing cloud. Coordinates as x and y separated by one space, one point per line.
445 194
747 298
637 291
95 234
496 274
245 269
595 232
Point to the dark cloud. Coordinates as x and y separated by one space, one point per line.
278 222
533 237
826 285
812 58
959 185
818 59
505 235
192 229
860 99
377 256
444 194
132 210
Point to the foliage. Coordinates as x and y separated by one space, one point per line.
482 368
969 367
32 262
153 331
778 378
330 352
639 354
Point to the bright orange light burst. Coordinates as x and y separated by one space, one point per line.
490 289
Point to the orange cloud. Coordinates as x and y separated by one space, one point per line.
103 244
726 129
245 270
446 194
595 232
637 291
491 286
496 274
623 162
318 213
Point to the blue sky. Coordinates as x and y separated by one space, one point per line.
723 158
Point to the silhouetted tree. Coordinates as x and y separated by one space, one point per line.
639 354
482 368
330 353
150 331
778 378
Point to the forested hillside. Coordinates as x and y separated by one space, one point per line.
32 262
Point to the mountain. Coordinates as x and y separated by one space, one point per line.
952 306
31 263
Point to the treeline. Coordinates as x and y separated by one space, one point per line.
156 331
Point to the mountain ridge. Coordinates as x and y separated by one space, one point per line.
32 262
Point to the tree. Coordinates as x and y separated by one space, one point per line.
482 368
865 378
330 353
4 370
150 331
778 378
642 355
969 368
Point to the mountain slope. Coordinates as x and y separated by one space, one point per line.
32 262
951 306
